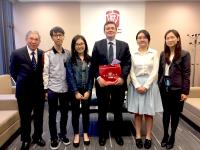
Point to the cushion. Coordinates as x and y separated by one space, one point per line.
8 117
8 102
195 102
194 92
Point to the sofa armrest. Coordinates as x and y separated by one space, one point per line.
13 89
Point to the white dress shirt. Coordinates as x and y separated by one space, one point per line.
30 53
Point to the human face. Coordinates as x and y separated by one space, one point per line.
33 41
171 40
80 46
58 38
142 41
110 31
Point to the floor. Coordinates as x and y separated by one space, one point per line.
186 138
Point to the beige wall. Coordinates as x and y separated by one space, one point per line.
42 17
85 18
162 16
76 18
88 19
182 16
93 17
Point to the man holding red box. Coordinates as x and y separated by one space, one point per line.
113 56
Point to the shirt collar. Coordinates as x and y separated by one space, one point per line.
113 41
30 51
148 51
54 50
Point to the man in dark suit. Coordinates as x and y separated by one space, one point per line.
26 68
110 92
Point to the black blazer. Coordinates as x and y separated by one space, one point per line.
99 57
179 72
27 80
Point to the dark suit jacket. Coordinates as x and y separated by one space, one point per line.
99 57
28 81
179 72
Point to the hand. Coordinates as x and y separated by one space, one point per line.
184 97
141 90
46 96
119 81
102 82
86 95
110 83
78 96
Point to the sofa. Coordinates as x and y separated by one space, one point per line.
191 108
9 120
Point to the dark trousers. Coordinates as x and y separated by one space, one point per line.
172 107
57 101
112 96
26 105
174 122
76 111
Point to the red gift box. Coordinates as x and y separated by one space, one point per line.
110 72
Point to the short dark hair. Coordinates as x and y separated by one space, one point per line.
57 29
145 32
109 22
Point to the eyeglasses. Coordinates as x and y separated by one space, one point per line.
170 38
79 44
58 35
142 38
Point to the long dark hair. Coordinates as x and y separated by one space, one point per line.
178 48
74 52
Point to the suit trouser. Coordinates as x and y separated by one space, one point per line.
26 105
57 101
76 111
112 96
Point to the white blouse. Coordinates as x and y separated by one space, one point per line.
144 64
168 65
